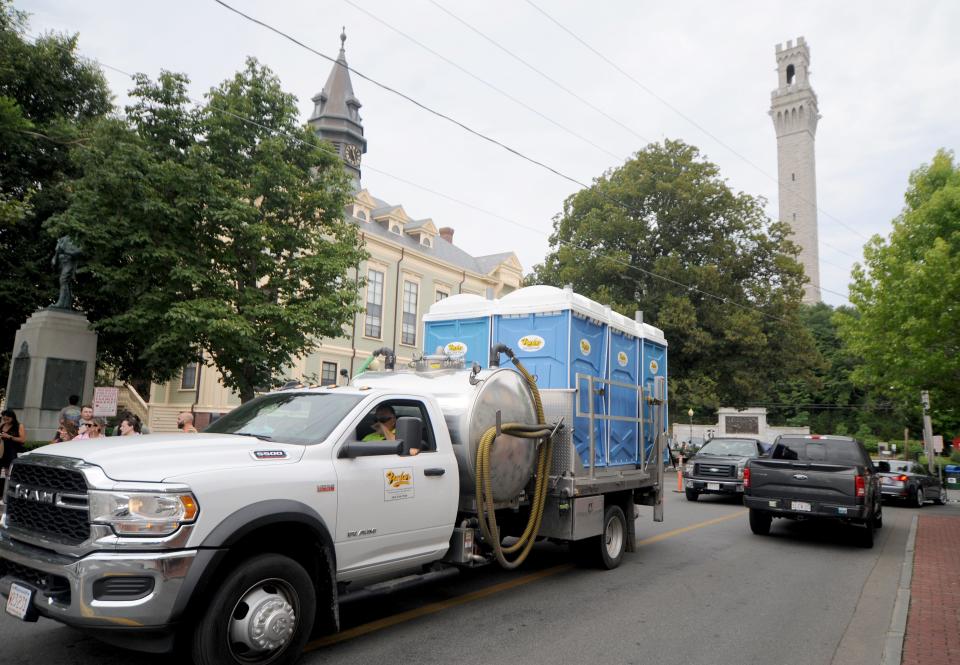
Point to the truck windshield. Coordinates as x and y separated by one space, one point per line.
736 447
301 418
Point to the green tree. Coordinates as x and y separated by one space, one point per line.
727 285
907 292
214 231
48 94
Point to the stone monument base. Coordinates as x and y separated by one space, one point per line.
54 356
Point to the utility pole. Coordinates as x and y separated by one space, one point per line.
927 429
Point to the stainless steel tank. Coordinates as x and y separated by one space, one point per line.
469 411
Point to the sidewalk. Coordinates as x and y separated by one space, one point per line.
933 623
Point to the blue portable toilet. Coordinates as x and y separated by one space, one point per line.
653 365
459 326
557 335
624 365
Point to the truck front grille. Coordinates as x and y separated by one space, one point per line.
48 501
713 470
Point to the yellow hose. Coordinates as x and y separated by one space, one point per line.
484 492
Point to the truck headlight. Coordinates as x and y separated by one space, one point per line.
688 469
740 471
143 513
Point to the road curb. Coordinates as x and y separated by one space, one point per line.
893 647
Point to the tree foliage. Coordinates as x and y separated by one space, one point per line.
48 94
907 294
213 231
665 234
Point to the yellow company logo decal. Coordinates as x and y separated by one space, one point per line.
654 366
397 480
456 349
531 343
584 347
622 359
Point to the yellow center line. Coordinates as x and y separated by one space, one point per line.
433 608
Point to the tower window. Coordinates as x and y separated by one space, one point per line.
794 216
791 74
793 176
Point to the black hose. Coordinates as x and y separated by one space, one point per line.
495 352
389 357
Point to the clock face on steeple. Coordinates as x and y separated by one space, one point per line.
351 154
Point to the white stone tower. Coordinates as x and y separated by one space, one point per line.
793 107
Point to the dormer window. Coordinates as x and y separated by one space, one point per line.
425 240
395 229
361 215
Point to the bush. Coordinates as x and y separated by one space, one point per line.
33 445
871 445
955 457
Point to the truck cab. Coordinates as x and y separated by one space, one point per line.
124 537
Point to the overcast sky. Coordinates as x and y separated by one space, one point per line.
887 75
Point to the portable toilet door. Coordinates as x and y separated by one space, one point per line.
541 342
588 356
460 326
654 367
624 362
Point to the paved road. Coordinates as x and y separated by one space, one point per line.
701 589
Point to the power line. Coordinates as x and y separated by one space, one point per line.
670 106
483 81
491 140
323 146
402 95
539 72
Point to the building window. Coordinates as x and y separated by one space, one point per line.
794 216
395 229
328 373
188 379
374 318
408 331
424 240
793 176
361 215
441 295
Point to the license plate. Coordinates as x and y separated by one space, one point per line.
801 506
713 486
18 602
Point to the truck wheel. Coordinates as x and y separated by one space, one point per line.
606 550
760 522
261 613
691 494
878 518
916 497
941 499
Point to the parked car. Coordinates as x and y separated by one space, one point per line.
814 477
909 482
717 468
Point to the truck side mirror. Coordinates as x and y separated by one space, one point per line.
410 433
883 467
367 448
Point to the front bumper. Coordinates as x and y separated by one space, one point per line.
783 508
711 486
63 586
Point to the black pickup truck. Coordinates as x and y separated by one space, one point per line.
814 477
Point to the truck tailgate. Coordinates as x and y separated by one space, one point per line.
814 482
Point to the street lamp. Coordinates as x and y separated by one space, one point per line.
690 413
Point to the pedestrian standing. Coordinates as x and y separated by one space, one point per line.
185 423
71 411
12 437
86 415
67 431
130 426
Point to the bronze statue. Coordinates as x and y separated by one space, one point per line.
67 254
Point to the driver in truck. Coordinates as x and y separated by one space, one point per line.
385 426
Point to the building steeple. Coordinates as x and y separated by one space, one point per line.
794 110
336 114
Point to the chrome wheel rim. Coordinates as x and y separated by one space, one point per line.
263 621
919 497
613 537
